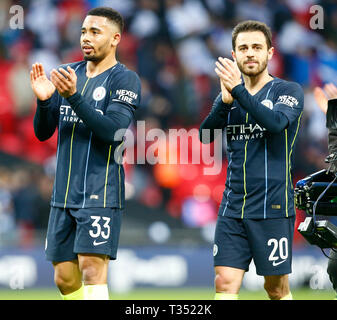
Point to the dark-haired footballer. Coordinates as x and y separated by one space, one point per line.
88 101
261 115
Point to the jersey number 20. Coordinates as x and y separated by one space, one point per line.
281 245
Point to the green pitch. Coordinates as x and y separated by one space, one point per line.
166 294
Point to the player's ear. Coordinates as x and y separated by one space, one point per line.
116 38
270 53
234 55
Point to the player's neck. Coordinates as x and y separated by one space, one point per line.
256 83
94 68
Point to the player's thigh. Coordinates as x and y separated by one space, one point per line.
271 242
97 231
60 237
231 246
228 279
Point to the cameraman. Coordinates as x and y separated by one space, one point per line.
326 99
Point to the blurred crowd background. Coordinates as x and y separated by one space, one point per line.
172 45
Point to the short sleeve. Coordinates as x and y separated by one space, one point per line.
289 100
126 89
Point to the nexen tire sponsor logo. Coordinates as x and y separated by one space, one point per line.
126 95
290 101
69 114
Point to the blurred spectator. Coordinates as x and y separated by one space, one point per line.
146 22
24 200
254 10
7 219
186 17
19 80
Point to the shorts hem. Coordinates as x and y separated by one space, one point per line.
222 264
60 258
273 273
93 251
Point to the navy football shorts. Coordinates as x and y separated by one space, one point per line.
267 241
89 230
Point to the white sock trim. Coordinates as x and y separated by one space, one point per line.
96 292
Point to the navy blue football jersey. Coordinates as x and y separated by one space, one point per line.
87 173
259 174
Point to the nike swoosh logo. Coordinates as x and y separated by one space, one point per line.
277 263
232 108
98 243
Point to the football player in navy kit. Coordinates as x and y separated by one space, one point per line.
261 116
89 102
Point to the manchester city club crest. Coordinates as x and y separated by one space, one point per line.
268 103
99 93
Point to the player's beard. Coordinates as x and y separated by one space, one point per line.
97 55
261 66
94 57
91 58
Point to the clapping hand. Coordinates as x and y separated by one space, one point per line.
64 81
322 96
42 87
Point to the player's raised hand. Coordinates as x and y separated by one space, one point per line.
42 87
321 99
331 90
228 72
225 94
65 81
322 96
